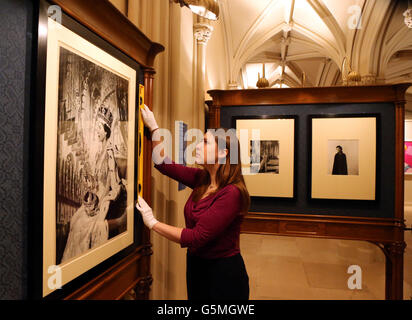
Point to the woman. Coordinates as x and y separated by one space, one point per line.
91 226
340 166
213 214
101 158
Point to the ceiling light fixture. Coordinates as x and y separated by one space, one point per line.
262 82
208 9
408 15
408 18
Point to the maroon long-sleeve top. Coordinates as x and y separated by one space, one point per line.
213 223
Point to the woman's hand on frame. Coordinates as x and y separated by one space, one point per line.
148 118
146 212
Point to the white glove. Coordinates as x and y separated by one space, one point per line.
146 212
150 121
148 118
156 157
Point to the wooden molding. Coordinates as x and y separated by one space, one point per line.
115 282
399 158
103 18
143 287
310 95
383 230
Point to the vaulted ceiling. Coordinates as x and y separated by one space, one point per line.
309 39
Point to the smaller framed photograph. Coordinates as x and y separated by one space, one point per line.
267 154
343 157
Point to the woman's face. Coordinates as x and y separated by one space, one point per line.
89 208
206 151
101 134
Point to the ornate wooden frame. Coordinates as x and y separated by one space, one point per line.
132 271
386 233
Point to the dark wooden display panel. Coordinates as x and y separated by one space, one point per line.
387 233
105 21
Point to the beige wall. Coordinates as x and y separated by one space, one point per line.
180 83
216 60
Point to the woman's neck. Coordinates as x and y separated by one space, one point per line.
212 169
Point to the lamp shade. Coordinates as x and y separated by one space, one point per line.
208 9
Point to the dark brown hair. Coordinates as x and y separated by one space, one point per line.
229 172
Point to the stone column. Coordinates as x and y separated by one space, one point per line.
202 31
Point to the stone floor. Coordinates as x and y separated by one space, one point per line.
317 269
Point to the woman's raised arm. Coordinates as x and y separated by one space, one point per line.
186 175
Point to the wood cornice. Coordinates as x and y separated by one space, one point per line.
116 281
103 18
309 95
323 226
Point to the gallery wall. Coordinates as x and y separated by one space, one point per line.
15 59
216 57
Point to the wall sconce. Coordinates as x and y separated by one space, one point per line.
208 9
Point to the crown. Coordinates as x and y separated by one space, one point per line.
105 115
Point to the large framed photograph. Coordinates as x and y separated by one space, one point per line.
89 156
343 157
267 154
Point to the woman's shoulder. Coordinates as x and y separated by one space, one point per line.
230 189
229 195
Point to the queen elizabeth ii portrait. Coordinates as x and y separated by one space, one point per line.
91 152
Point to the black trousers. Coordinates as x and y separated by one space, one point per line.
217 279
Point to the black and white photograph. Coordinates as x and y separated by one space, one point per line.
91 194
343 157
262 163
89 159
264 156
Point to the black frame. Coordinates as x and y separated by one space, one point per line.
295 141
36 147
377 166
